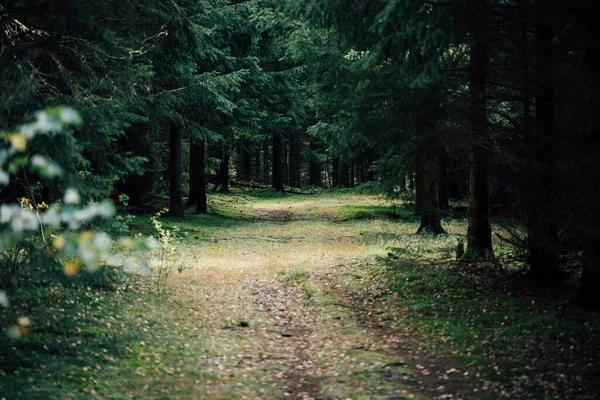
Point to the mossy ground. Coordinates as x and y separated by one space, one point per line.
302 296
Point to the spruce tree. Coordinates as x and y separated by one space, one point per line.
479 235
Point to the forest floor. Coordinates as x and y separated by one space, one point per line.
327 296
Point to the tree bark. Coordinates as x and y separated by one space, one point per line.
590 277
294 160
244 161
284 164
266 165
443 181
257 165
335 172
428 203
224 170
402 179
542 230
418 187
370 161
194 166
479 232
277 164
200 187
215 152
176 207
343 177
454 178
364 167
314 173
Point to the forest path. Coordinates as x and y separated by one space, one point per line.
274 296
269 296
271 300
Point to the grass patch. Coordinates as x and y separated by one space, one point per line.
348 212
294 275
198 227
70 343
526 346
125 343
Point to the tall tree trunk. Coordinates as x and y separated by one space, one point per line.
200 187
266 164
352 174
215 152
479 232
277 164
314 167
244 161
427 194
418 187
257 164
284 164
359 162
454 178
402 179
335 172
176 207
194 172
443 181
343 177
590 278
528 131
224 170
295 153
370 161
542 231
239 160
411 180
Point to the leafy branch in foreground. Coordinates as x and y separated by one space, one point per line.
69 223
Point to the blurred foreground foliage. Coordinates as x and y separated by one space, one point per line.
43 243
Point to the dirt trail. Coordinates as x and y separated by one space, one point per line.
295 332
278 282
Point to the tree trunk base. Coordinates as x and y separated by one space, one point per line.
431 225
475 253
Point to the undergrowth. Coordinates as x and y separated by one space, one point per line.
523 345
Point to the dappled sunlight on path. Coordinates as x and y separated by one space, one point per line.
267 297
268 307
